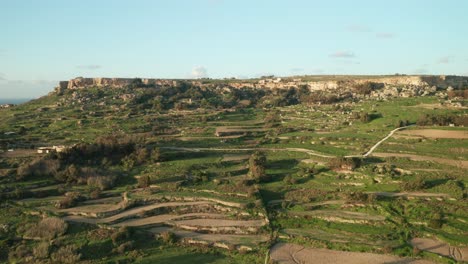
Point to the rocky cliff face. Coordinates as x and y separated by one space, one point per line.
441 82
80 82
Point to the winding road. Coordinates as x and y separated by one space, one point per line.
385 138
303 150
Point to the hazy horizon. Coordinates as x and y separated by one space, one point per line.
50 86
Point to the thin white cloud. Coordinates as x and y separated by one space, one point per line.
242 77
358 28
2 77
343 54
385 35
350 62
421 71
199 72
89 67
296 70
264 74
444 60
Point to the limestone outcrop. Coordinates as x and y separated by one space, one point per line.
392 83
81 82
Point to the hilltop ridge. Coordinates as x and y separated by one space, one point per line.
313 82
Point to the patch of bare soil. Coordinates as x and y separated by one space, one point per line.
457 163
436 133
285 253
165 218
441 248
313 161
438 106
330 202
227 238
339 237
410 194
235 157
221 223
201 138
91 209
19 153
142 209
4 172
341 216
238 129
107 200
122 215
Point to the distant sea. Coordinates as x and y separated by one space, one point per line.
14 100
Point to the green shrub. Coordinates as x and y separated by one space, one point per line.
414 184
48 228
41 251
168 237
66 254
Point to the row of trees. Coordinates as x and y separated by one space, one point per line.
442 120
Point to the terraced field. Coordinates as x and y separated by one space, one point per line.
441 248
200 219
293 254
308 183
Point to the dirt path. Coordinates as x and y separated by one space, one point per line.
332 214
166 218
285 253
458 134
410 194
330 202
229 238
235 157
91 209
127 213
221 223
382 140
441 248
451 162
20 153
307 151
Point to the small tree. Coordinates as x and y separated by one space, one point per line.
142 155
412 185
168 237
128 162
144 181
257 164
156 155
272 119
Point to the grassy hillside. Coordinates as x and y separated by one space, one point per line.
151 176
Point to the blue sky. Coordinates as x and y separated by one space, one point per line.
50 40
